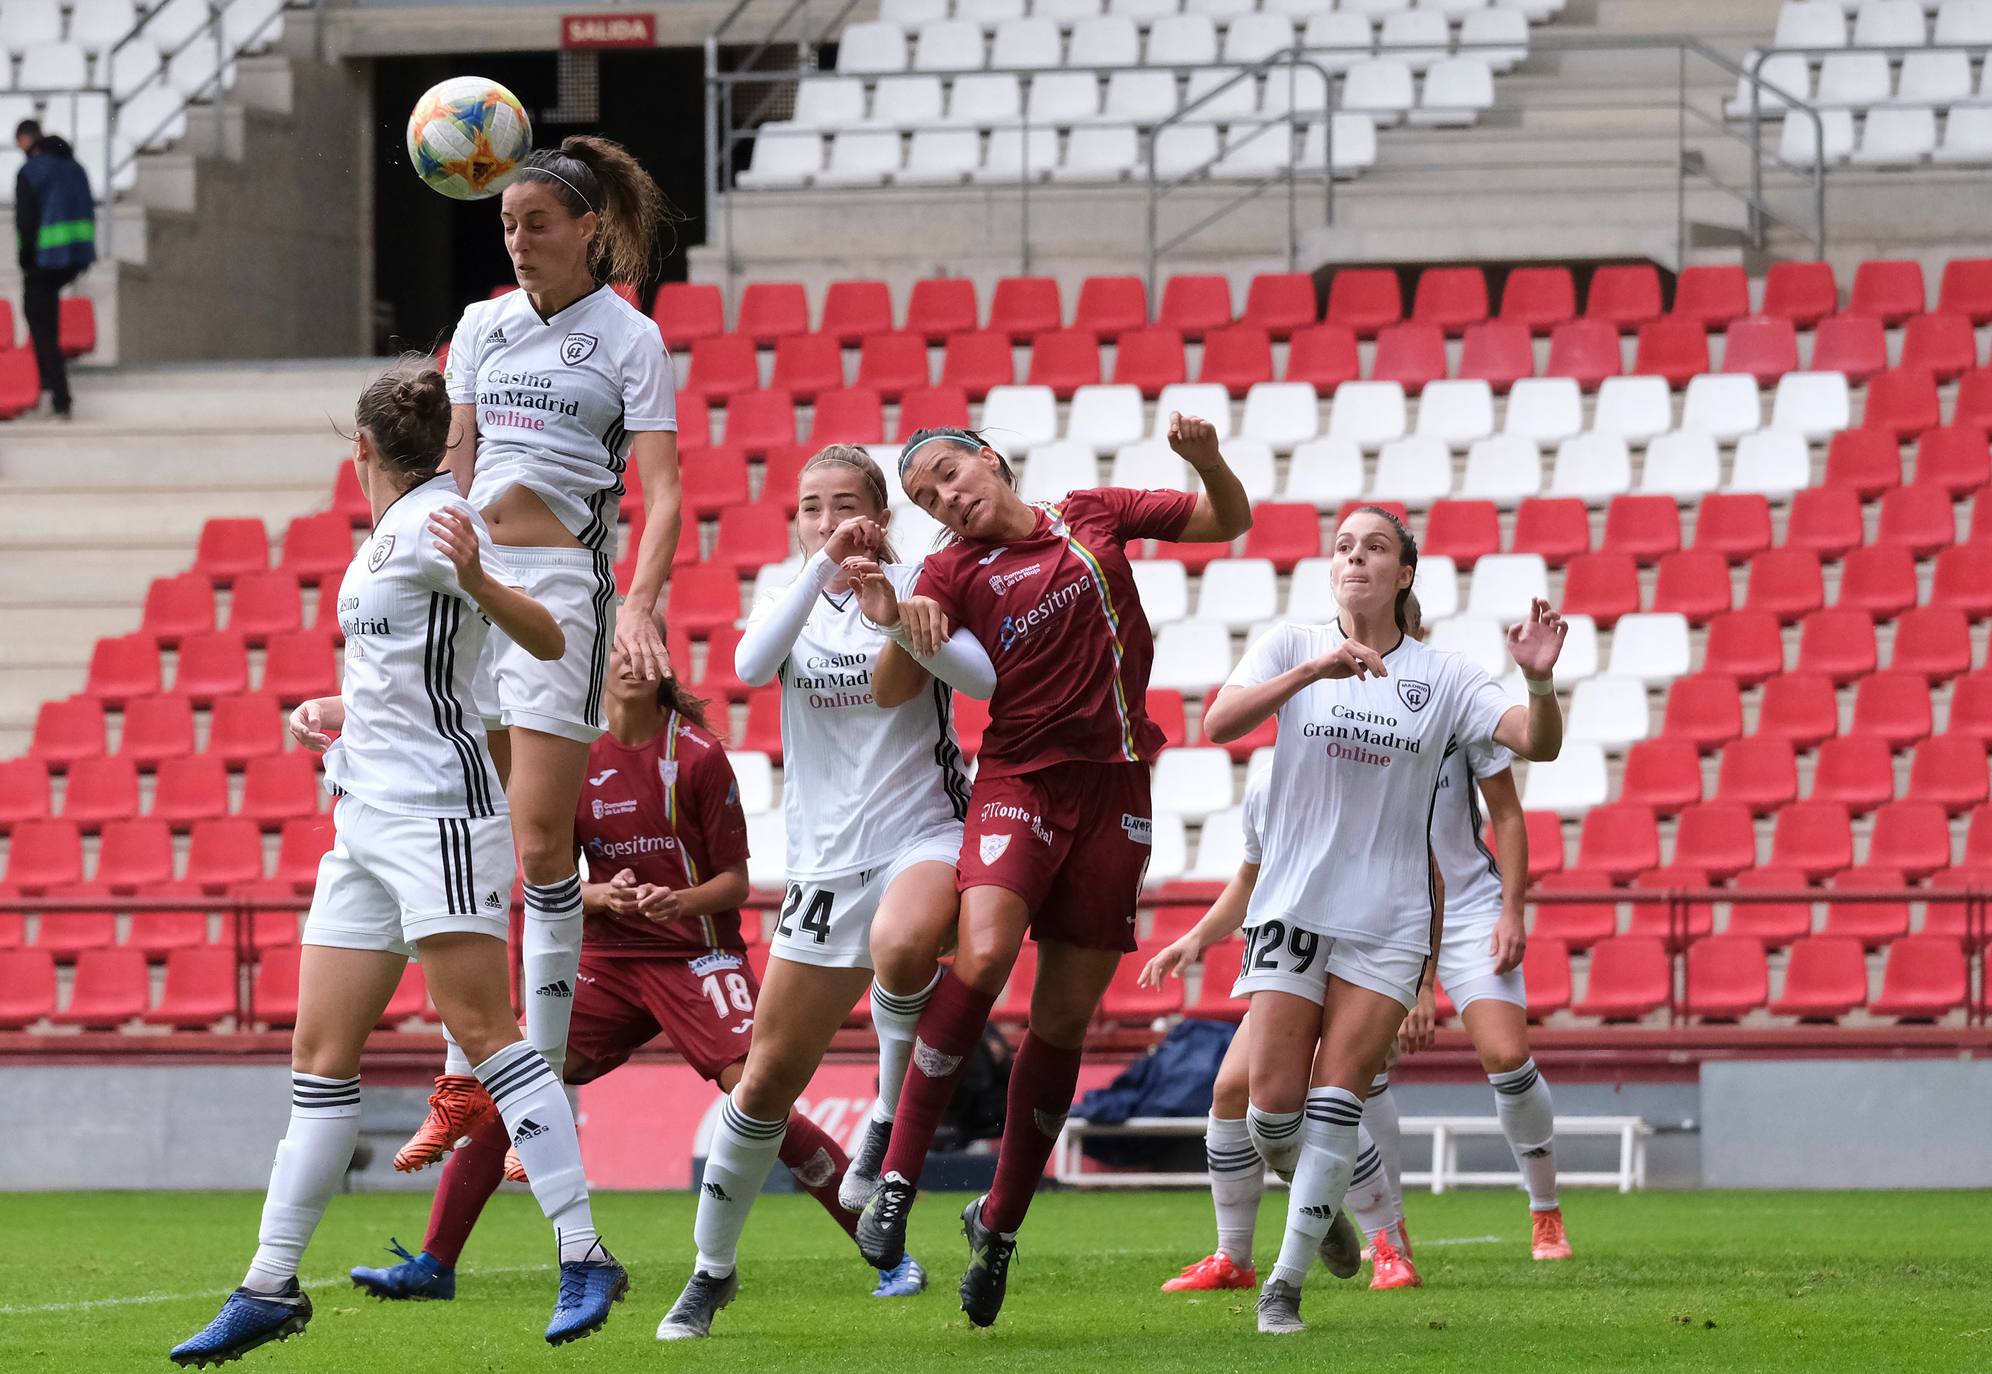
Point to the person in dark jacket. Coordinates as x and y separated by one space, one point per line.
56 221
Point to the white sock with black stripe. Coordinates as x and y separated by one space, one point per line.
1327 1159
311 1159
1380 1120
1276 1135
1237 1182
540 1125
737 1163
1521 1103
1369 1201
550 957
896 1018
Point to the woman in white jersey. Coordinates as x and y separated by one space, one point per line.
1344 916
874 795
555 389
422 861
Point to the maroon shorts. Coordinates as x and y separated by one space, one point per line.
1072 840
703 1005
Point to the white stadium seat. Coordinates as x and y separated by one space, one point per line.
1062 98
988 14
1223 11
1238 592
1455 91
1417 38
912 14
1252 462
1220 848
1651 647
829 102
1139 97
1030 43
1338 39
1168 850
1066 13
1375 10
1856 79
1017 419
1437 583
1725 404
1503 584
983 99
953 45
940 157
1106 152
1964 22
1192 656
772 577
1291 89
915 533
767 850
1498 36
1144 11
1110 40
56 67
906 102
1380 88
1457 413
1502 468
861 157
1370 413
1774 462
1164 587
1579 658
1547 410
1354 147
1591 467
1226 95
1310 594
26 24
1255 37
1325 473
1608 711
1810 24
1889 24
1798 147
1570 784
1010 156
1192 783
1053 470
177 21
1897 136
783 156
1683 463
97 25
1283 414
755 774
1785 77
1481 641
1633 408
1814 404
1933 78
1413 472
1206 400
252 25
1182 40
1106 417
1967 135
1453 9
871 47
1185 150
1150 465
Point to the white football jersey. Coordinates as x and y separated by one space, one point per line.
1355 774
412 745
557 400
859 782
1252 816
1473 878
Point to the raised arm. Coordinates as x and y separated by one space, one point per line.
904 665
640 623
1535 731
1223 511
772 628
460 460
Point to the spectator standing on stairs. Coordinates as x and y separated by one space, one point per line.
56 220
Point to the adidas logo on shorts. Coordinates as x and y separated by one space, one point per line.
496 336
527 1130
1319 1212
557 988
493 900
715 1192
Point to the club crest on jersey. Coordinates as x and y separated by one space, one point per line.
1000 583
381 549
1413 693
577 348
993 847
667 769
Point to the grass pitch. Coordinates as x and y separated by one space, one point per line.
1731 1281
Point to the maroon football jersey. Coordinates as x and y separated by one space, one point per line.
1058 612
669 811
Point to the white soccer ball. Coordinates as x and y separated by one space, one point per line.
467 136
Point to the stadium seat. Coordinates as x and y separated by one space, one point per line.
1890 290
1851 345
1868 461
1825 522
1624 297
1773 463
1503 468
1412 472
27 987
1464 531
1608 710
1110 306
1787 583
1064 360
942 306
158 932
1925 979
1674 348
1662 774
1693 584
122 668
1712 296
1715 837
1962 581
1825 978
1902 401
1953 458
1971 707
1618 841
1803 144
1854 772
134 853
1773 924
1569 785
1366 299
266 604
1235 357
1722 404
111 987
300 845
1932 641
155 728
178 606
1894 708
1281 415
1587 350
1497 352
1728 978
807 365
1576 925
771 309
273 990
1124 1002
228 548
931 407
199 989
1024 307
686 312
722 366
1736 525
1643 527
1594 468
1454 298
194 788
1193 305
410 998
1965 288
1539 298
1759 772
279 788
1705 709
1941 345
1106 418
1630 977
1221 967
317 548
1814 838
1798 708
1147 358
1602 585
1557 529
853 310
1410 354
976 361
1284 533
1878 580
1838 644
760 421
299 666
1913 836
1056 469
1020 419
1281 303
1683 464
1547 410
246 725
1765 346
694 426
1873 923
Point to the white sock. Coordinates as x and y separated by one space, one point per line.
1380 1120
742 1152
1276 1135
454 1059
1521 1101
311 1159
551 958
1369 1201
1327 1159
541 1127
1237 1182
896 1017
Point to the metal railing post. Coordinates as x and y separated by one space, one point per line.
1681 159
1024 195
1154 214
1755 209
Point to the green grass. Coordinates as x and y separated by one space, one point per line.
1732 1281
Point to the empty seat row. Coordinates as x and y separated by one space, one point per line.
995 15
275 788
1890 136
48 854
1859 81
1812 24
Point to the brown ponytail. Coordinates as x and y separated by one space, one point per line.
672 696
406 415
589 172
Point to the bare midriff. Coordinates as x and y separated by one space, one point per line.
521 519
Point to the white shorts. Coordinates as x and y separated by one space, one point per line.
1466 969
1287 958
563 697
390 880
828 923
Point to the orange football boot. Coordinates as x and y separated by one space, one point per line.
515 1168
1391 1269
1211 1273
1548 1242
458 1106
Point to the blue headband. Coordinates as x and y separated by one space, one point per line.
952 436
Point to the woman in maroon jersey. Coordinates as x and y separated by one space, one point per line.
1058 830
666 842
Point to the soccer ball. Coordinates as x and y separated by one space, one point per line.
466 137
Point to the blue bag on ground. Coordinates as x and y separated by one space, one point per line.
1173 1079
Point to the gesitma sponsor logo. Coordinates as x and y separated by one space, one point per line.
1018 627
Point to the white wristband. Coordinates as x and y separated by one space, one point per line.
896 632
1541 687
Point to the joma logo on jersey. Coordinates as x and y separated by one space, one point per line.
577 348
1000 583
1413 693
381 549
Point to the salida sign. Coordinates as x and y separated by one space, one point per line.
608 31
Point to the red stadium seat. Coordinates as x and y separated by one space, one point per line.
76 326
1545 842
703 598
1556 527
1712 296
1953 458
1869 461
1878 580
894 364
155 728
1585 349
1773 924
808 364
297 667
1539 297
1978 838
273 991
1760 773
1895 708
279 788
158 932
1193 305
66 934
1625 296
24 792
1603 585
1462 530
1111 306
1126 1003
1837 644
1366 299
1165 708
1950 771
940 306
694 421
1153 358
1814 838
1235 358
188 789
1258 737
1735 524
230 548
1281 303
27 984
757 421
1630 977
1642 527
178 606
1716 837
1194 557
855 310
1323 355
1947 918
1962 581
1546 971
1705 709
1576 925
1728 978
1971 706
750 536
1932 641
1064 360
1285 533
199 989
100 790
1798 708
1409 354
44 854
1662 774
1874 924
1825 979
976 360
266 604
1746 645
410 1000
1980 533
763 731
1024 307
686 312
225 851
111 988
301 844
134 854
850 415
720 678
1802 292
1785 582
122 668
1851 344
1452 298
1972 406
1221 965
1764 346
709 480
1619 840
930 408
1498 352
1890 290
1825 522
1966 289
1941 345
1925 978
318 548
1902 401
770 309
1174 922
20 382
1693 583
1671 347
723 366
782 469
1855 772
246 726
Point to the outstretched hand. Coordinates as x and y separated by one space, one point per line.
1536 643
1194 439
1169 962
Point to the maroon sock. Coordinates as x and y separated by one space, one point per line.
1042 1082
472 1175
948 1031
818 1163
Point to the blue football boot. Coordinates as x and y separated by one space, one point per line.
588 1289
418 1278
903 1280
246 1321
